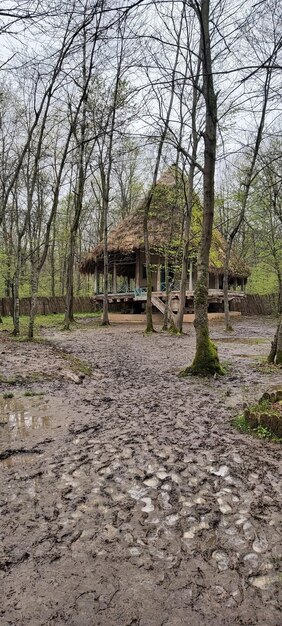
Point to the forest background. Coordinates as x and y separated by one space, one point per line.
88 93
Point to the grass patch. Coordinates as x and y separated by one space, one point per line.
45 321
261 432
31 394
263 367
252 341
8 395
77 366
32 377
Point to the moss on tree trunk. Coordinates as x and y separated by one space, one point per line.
278 360
275 355
206 361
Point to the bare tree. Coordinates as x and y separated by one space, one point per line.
206 360
246 182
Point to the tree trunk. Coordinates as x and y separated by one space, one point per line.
33 306
275 355
278 360
189 198
149 316
52 262
167 290
149 310
206 360
16 302
184 268
69 275
247 185
228 325
279 276
105 318
105 209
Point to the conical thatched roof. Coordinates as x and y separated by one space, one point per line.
165 228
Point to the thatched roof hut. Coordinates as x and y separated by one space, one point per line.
165 230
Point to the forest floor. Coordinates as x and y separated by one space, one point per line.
130 499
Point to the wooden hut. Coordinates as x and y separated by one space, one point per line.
127 268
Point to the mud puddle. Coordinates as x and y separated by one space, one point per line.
19 417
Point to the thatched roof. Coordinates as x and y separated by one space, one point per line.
165 228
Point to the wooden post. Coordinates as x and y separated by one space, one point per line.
137 270
190 285
159 278
95 281
115 277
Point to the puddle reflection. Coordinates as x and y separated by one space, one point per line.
19 420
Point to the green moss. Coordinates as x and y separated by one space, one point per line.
206 362
266 415
77 365
229 329
278 358
173 330
201 291
261 432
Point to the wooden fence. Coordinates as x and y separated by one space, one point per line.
250 305
46 305
256 305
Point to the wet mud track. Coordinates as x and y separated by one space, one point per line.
137 502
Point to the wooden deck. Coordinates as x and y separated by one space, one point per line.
214 295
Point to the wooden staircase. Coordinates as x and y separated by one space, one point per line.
159 304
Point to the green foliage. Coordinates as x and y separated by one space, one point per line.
169 202
8 395
262 280
261 432
3 269
42 321
241 423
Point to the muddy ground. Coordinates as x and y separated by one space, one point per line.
130 499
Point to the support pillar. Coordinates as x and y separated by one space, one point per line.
95 281
137 270
115 277
190 285
159 278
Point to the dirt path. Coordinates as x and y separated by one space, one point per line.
134 501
